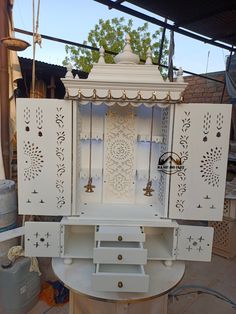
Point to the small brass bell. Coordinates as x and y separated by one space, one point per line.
89 187
148 190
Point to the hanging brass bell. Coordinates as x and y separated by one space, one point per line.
148 190
89 187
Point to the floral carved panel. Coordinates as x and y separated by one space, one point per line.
119 155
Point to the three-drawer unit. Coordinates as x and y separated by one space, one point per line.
119 257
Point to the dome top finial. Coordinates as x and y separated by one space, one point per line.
127 39
101 56
149 56
127 55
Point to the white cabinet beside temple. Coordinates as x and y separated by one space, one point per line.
120 158
44 155
121 245
200 140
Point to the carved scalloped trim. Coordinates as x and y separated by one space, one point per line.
122 97
123 104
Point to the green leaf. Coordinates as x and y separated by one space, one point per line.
111 35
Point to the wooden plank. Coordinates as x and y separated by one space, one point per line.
84 305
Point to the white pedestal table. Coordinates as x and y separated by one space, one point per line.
84 300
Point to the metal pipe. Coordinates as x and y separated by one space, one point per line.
60 40
34 47
156 21
162 43
64 41
227 69
4 90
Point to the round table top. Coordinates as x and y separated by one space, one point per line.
78 277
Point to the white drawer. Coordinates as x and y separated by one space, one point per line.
121 278
119 253
120 233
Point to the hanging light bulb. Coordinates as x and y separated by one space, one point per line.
89 186
148 189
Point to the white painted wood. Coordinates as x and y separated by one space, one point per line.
77 241
119 253
143 126
142 175
95 136
125 82
167 122
120 214
201 140
146 138
42 239
54 168
96 174
11 234
44 133
120 278
161 280
114 233
76 155
68 261
160 243
194 243
127 56
119 155
83 128
120 222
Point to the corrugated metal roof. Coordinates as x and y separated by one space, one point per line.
48 68
215 19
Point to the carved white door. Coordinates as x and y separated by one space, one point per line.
44 136
194 243
42 239
199 159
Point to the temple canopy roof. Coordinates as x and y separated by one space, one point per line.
126 81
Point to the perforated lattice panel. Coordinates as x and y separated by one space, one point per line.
230 208
226 207
221 234
224 243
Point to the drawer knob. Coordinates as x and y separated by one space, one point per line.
120 257
120 284
120 238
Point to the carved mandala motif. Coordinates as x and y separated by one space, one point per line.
33 161
119 151
210 166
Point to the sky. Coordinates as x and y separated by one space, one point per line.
73 19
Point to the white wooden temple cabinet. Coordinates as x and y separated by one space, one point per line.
121 158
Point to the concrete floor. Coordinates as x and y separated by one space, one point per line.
220 275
